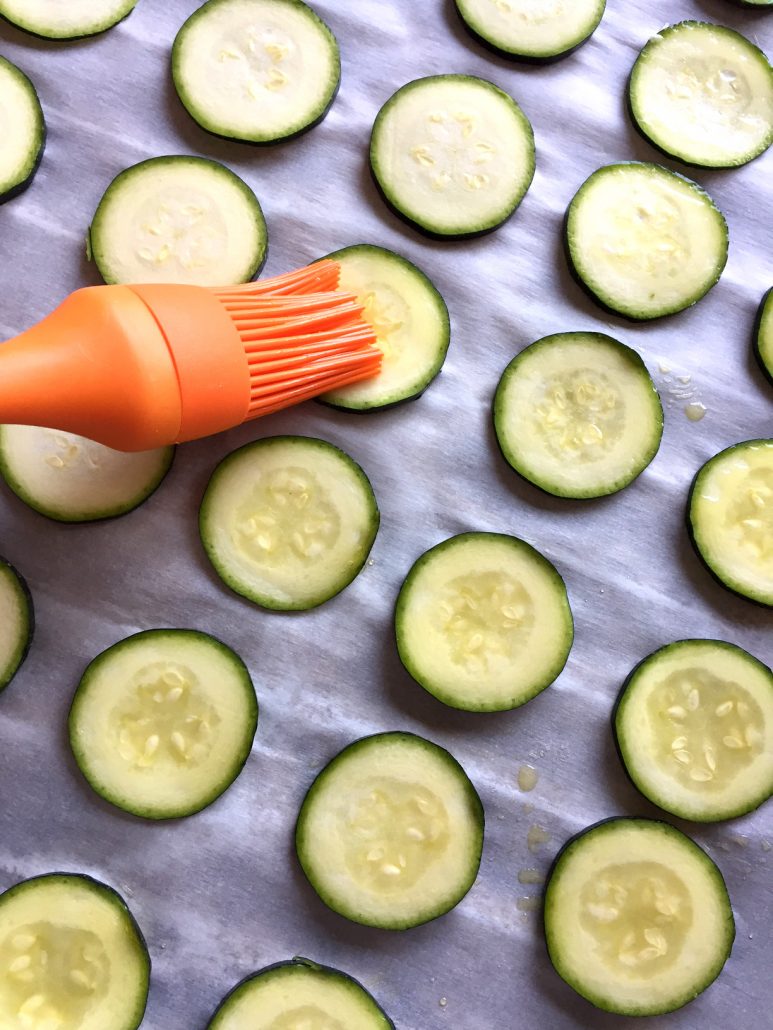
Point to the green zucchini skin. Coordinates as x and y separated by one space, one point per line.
765 303
68 39
42 134
619 749
574 841
691 529
297 961
25 598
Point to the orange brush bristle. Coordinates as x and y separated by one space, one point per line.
139 366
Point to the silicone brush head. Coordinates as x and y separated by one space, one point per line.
136 367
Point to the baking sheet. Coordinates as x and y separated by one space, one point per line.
220 894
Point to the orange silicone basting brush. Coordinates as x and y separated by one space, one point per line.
136 367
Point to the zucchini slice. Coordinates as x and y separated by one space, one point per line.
390 832
537 32
178 219
637 917
730 513
17 621
72 479
452 154
410 319
644 241
288 521
483 622
162 722
256 70
300 993
578 415
24 130
74 19
694 726
763 337
71 955
703 93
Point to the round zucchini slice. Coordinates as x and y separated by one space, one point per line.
178 219
24 130
17 621
71 957
694 726
536 32
162 722
74 19
452 154
288 521
703 94
644 241
730 513
578 415
72 479
483 622
390 832
303 994
256 70
763 337
410 320
637 917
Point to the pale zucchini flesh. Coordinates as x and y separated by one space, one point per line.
390 833
288 521
763 337
453 154
578 415
637 917
17 622
731 518
532 29
72 479
72 19
694 726
24 130
71 957
410 320
178 219
162 722
703 93
483 622
300 994
256 70
644 241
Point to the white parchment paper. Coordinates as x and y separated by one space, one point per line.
220 894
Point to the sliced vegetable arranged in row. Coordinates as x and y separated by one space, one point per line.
637 917
256 70
288 521
729 511
452 154
52 19
483 622
72 956
703 93
72 479
300 993
178 219
536 32
390 832
17 621
763 334
694 727
162 722
644 241
410 319
577 414
24 130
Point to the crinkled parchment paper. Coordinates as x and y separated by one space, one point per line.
220 894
